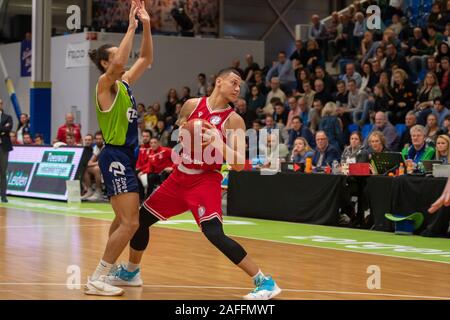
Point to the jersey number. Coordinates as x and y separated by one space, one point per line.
131 114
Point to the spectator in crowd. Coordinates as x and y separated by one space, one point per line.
376 70
150 118
443 148
314 56
315 115
294 111
69 128
397 25
404 95
236 65
172 99
88 140
298 57
300 130
325 153
395 58
280 114
390 134
247 114
70 141
331 125
157 108
309 94
410 121
416 51
38 139
432 129
302 76
186 95
23 127
356 105
141 111
341 95
377 143
431 66
328 81
368 80
321 94
434 38
28 141
419 150
284 71
202 85
276 92
304 110
366 45
272 125
444 79
143 159
92 172
249 72
355 151
359 29
317 31
350 73
440 111
442 52
161 133
159 166
259 82
380 98
301 151
335 37
256 102
425 99
6 124
13 138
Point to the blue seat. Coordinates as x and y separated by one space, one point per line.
401 128
366 130
353 128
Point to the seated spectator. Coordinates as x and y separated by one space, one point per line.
141 111
314 56
202 85
356 104
341 95
13 137
431 66
304 110
256 102
410 121
159 166
434 38
321 94
272 125
92 172
404 95
350 73
416 51
444 80
284 71
160 132
395 58
172 99
366 45
38 139
28 141
301 151
298 57
276 92
443 148
281 114
88 141
247 114
249 72
380 98
442 52
355 152
376 70
359 29
425 100
186 95
157 108
150 118
236 65
331 125
431 129
389 132
143 159
369 80
376 143
23 127
302 75
309 94
419 150
440 111
396 25
325 153
299 130
69 128
294 111
70 141
328 81
315 115
260 83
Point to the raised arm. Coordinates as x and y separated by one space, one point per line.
146 53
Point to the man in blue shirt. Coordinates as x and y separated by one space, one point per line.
299 130
325 153
284 70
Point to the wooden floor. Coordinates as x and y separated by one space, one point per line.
36 249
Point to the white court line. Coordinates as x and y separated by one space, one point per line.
54 226
241 288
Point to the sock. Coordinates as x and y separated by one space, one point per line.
258 276
103 269
132 267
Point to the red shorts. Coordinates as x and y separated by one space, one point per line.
181 192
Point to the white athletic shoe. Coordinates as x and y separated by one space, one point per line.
89 193
96 196
121 277
266 289
99 287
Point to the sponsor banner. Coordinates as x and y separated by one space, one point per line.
77 55
25 58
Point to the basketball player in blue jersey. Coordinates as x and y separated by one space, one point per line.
117 118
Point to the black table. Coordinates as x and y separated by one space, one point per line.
317 198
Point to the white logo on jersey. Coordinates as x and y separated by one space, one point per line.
201 211
200 113
117 169
215 120
131 114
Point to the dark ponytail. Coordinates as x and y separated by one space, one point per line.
100 54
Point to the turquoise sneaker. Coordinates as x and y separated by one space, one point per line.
266 289
120 276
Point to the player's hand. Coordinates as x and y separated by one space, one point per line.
168 169
142 13
133 22
211 136
444 199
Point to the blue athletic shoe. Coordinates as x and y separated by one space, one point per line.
266 289
120 276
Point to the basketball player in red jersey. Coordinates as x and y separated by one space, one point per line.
197 187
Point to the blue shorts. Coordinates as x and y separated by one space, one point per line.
118 167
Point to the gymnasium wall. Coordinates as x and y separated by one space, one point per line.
177 63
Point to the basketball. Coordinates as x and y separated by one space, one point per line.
191 133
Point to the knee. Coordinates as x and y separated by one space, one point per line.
130 225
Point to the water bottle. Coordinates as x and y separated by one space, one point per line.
335 166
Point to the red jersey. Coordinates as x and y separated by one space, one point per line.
158 160
64 130
217 118
144 152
